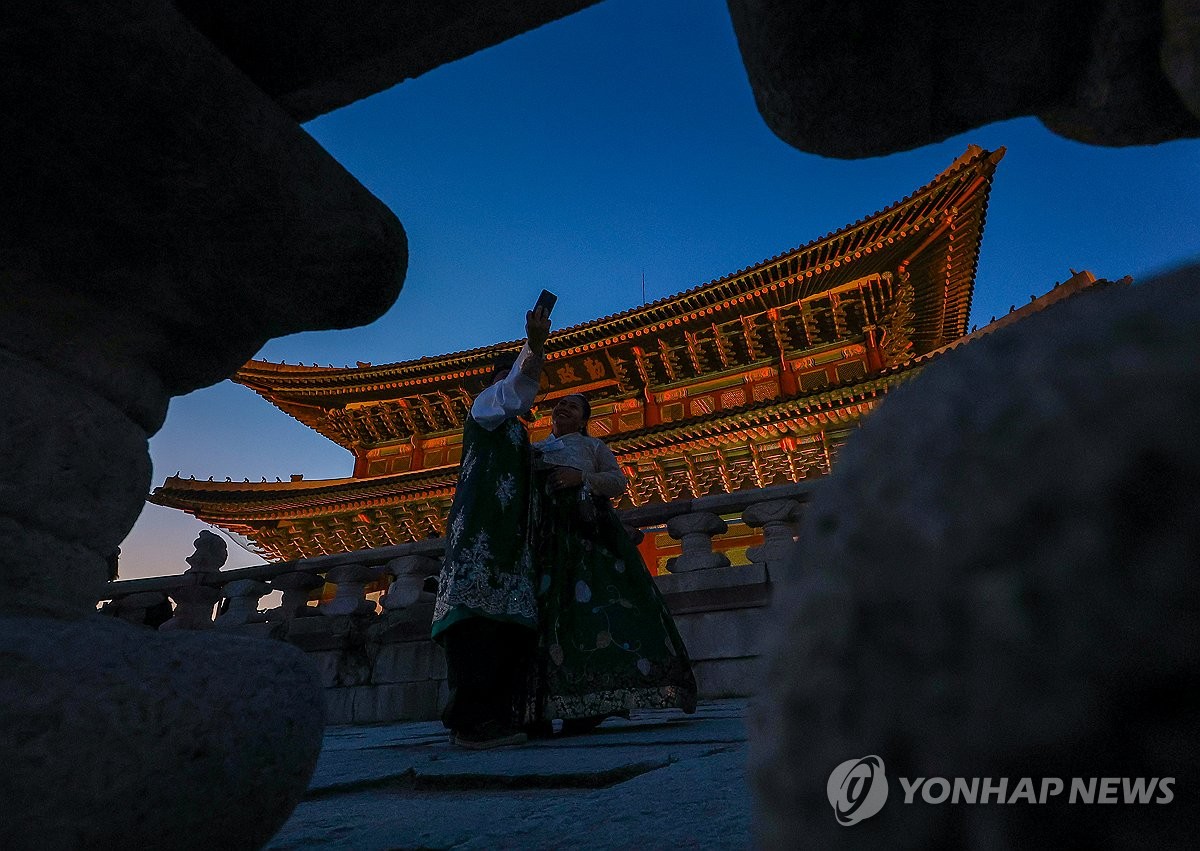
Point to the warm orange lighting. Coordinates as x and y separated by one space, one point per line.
788 423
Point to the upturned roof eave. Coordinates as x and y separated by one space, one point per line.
272 500
270 379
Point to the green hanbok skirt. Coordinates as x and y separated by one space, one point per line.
607 643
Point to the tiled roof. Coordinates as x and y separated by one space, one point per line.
867 245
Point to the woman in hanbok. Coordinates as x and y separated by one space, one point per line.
485 615
607 643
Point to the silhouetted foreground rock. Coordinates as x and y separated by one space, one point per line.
1000 580
857 79
354 48
163 218
191 740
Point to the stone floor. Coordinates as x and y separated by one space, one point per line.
662 779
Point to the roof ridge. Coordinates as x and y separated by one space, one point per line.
969 158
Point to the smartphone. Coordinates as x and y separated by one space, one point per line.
546 300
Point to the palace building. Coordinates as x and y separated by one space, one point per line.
751 380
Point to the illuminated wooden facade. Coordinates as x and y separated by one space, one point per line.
750 380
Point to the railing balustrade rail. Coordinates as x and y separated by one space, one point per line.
694 522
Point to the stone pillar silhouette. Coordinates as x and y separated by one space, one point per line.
243 596
350 598
777 518
133 608
1000 578
194 601
163 219
297 589
409 574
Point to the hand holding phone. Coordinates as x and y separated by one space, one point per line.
546 301
537 321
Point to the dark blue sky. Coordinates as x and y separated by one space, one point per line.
620 141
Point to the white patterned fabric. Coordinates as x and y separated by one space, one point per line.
590 455
512 396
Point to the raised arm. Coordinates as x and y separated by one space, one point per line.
514 394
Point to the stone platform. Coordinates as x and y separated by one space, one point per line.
662 779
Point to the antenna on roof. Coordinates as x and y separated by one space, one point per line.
643 286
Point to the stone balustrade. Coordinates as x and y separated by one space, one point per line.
375 657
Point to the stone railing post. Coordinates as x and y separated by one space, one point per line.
351 595
194 601
408 580
695 532
133 608
297 587
193 607
777 518
243 596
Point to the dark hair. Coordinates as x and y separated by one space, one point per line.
503 362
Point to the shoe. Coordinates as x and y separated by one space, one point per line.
579 726
465 741
489 735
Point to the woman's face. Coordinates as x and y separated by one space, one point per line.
567 416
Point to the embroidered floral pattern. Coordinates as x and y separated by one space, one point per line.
479 553
456 527
506 489
608 642
468 464
475 589
488 567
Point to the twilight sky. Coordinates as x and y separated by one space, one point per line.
619 142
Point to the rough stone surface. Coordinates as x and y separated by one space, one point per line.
132 608
1181 49
194 605
297 588
729 634
355 48
157 192
69 494
344 633
865 79
408 624
1000 581
163 219
778 519
725 678
243 596
327 665
659 780
408 661
409 574
716 579
695 532
387 702
350 598
117 737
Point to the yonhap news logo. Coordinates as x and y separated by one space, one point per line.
858 788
